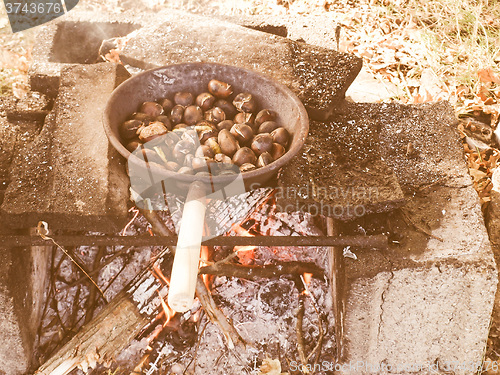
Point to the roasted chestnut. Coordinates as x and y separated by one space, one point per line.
244 155
265 115
151 109
277 151
262 143
204 151
213 144
281 136
245 102
191 134
132 145
220 89
185 170
223 159
245 118
199 163
264 159
165 120
227 142
227 107
215 115
242 132
181 149
167 105
268 127
247 167
206 134
193 114
176 114
226 124
129 129
205 101
152 131
183 98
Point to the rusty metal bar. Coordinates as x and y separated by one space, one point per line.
378 241
338 287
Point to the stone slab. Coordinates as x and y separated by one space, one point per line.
367 156
14 356
317 75
8 136
423 301
18 127
70 176
428 298
493 217
74 39
422 145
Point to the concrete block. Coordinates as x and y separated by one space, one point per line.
74 39
8 137
493 217
317 75
70 176
20 122
421 144
14 356
427 300
340 172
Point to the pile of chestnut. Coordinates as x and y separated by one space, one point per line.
207 133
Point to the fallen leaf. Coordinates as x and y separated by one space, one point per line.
488 75
495 179
431 87
476 174
271 367
19 89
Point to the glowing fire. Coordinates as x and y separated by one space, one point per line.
204 261
306 279
160 275
204 255
245 253
167 311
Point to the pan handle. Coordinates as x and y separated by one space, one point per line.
187 254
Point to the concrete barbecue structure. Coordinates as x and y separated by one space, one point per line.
426 300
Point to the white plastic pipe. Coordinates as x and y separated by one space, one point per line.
187 253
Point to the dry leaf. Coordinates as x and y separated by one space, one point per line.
113 56
488 75
495 179
476 174
483 93
19 90
271 367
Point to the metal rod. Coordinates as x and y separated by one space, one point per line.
338 287
378 241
